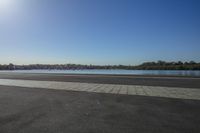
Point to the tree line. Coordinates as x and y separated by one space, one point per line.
159 65
162 65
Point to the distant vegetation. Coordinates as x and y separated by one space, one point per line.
162 65
159 65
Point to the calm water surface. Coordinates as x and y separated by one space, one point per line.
120 72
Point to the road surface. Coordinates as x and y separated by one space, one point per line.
46 103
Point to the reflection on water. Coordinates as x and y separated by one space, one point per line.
120 72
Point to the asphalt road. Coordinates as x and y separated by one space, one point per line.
31 110
185 82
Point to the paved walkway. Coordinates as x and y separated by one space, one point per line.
169 92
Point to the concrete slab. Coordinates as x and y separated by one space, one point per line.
170 92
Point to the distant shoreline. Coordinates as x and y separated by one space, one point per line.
159 65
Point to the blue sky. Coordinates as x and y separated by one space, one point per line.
99 31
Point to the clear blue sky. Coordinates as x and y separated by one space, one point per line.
99 31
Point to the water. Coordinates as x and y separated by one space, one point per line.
118 72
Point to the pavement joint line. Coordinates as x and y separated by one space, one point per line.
123 89
144 91
94 87
169 92
97 88
119 88
111 90
136 90
131 90
115 89
88 89
84 88
164 90
127 90
103 88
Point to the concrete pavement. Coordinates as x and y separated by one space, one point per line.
169 92
71 103
143 80
31 110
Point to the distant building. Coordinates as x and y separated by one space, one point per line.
11 66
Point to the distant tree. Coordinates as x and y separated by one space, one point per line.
192 62
179 63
